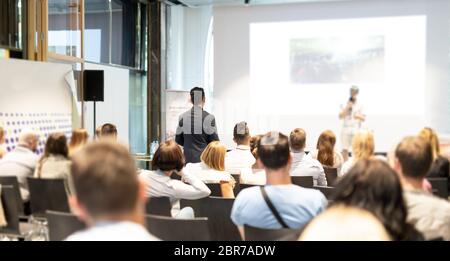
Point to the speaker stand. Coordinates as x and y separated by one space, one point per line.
95 118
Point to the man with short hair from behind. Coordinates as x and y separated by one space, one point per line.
21 162
240 158
429 214
110 198
108 132
302 164
279 204
196 128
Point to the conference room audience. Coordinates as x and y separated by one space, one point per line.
78 140
108 132
196 128
21 162
168 161
303 164
345 223
110 198
326 153
211 169
241 157
440 168
429 214
292 206
363 147
2 141
372 185
55 163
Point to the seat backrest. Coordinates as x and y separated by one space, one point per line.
306 182
47 194
237 186
439 185
61 225
331 174
216 191
245 186
326 191
218 212
12 181
258 234
172 229
158 206
9 203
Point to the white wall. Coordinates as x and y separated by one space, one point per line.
34 95
115 108
232 67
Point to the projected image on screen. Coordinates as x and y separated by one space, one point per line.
337 60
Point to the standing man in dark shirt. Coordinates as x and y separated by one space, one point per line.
196 128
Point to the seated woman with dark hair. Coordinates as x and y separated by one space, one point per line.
167 161
55 163
372 185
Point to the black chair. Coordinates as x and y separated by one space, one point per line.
216 191
218 212
47 194
306 182
332 175
439 185
9 203
259 234
245 186
171 229
12 181
61 225
327 191
158 206
237 186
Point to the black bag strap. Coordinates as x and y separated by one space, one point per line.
272 208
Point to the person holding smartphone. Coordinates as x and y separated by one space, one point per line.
352 118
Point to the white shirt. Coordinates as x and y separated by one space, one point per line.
429 214
161 185
347 166
304 165
113 231
349 123
56 167
238 159
253 176
206 174
20 163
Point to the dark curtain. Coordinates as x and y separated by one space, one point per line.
129 32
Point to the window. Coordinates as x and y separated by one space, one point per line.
64 23
11 22
114 32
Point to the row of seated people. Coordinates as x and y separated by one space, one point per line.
276 155
24 162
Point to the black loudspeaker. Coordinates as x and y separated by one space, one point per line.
94 84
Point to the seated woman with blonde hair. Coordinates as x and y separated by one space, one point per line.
78 140
440 168
363 147
211 169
